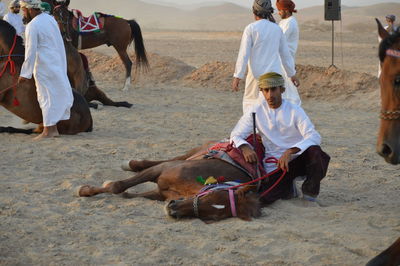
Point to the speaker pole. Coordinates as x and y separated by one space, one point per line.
333 44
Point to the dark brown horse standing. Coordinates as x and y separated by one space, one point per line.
388 145
117 32
28 107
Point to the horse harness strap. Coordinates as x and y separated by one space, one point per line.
395 114
390 115
13 71
204 192
393 53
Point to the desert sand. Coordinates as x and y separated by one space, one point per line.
182 102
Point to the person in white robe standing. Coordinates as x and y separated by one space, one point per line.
290 28
287 134
45 59
14 18
263 47
3 9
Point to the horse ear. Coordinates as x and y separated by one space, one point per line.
381 30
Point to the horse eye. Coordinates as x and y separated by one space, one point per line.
396 84
397 81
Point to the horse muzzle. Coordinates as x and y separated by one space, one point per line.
389 152
176 209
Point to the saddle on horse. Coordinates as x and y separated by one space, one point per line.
93 23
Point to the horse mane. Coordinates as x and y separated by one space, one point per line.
387 43
7 33
248 206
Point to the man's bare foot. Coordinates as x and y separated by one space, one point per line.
48 132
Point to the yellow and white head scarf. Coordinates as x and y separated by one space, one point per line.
270 80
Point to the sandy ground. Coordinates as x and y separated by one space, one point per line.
43 223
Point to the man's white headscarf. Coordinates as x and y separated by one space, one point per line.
31 4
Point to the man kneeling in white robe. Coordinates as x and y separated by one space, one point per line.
288 135
45 59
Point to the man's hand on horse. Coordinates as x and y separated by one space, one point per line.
249 154
283 162
22 79
235 84
295 81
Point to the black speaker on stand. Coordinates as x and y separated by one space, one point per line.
332 12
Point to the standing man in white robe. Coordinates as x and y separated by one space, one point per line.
14 18
262 49
288 135
290 28
3 9
45 59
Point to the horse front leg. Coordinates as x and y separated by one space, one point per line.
128 67
94 93
117 187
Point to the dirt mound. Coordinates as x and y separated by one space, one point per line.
216 75
316 82
320 82
163 69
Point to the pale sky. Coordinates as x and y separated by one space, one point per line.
299 3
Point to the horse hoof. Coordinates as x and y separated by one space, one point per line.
107 183
125 166
78 191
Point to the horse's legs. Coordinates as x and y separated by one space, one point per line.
128 66
153 195
94 93
148 175
137 166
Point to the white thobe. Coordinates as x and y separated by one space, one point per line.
45 58
16 21
282 128
290 28
263 47
3 9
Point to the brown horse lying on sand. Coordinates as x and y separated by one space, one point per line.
22 99
177 179
388 145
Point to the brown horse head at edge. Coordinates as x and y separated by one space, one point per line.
388 144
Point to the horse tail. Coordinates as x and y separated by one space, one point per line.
140 50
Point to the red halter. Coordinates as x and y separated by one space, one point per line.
13 72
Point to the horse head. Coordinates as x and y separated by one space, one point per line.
64 19
388 145
217 205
